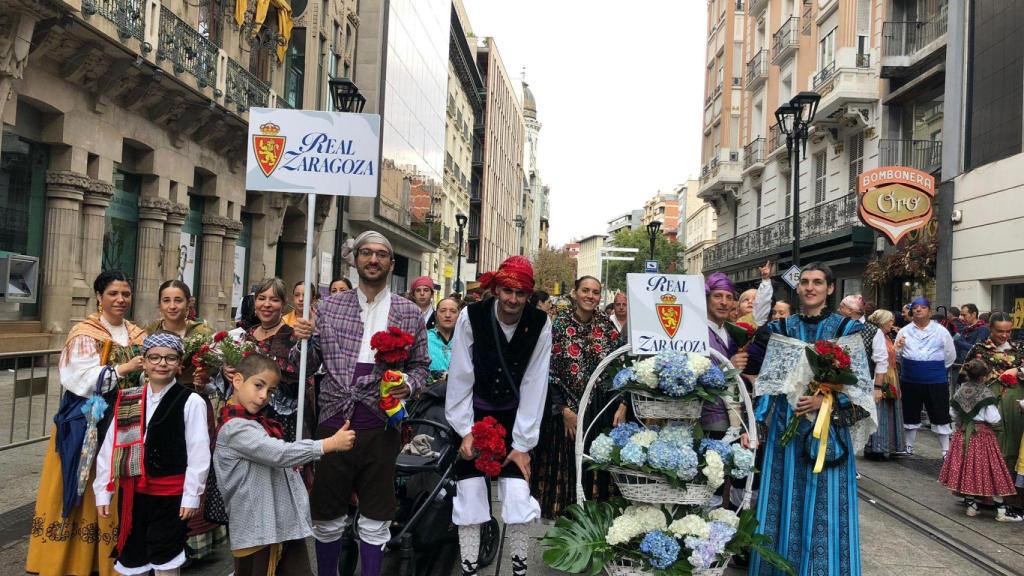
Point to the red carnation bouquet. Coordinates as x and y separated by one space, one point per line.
750 329
832 370
489 444
392 346
212 354
1008 379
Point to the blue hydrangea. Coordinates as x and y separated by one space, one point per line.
622 378
661 549
717 445
601 448
742 461
622 433
633 455
677 433
703 552
675 375
663 455
713 378
720 535
687 469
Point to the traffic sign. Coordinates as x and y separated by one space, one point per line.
792 276
651 266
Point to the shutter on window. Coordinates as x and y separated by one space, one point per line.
863 17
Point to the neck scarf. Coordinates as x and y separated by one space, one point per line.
969 394
271 426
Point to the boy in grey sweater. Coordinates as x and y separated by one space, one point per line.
267 506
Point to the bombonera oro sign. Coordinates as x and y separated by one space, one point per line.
895 200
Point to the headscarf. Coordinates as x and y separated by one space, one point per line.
163 340
920 301
515 272
352 245
422 281
718 281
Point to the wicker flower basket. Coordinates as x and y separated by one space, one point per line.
630 567
655 489
651 406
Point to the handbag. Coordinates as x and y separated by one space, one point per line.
214 509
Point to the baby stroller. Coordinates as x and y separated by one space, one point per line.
423 533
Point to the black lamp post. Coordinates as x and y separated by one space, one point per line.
652 234
460 221
794 120
346 97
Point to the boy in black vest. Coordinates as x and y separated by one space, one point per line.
501 349
158 450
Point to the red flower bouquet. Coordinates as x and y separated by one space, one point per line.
1008 379
211 354
489 444
830 364
748 334
392 346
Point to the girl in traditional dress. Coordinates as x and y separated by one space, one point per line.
974 466
888 439
203 536
101 354
581 338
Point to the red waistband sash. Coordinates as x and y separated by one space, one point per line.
150 486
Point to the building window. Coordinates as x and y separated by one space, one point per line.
122 229
211 20
758 199
787 195
856 159
295 69
820 174
827 49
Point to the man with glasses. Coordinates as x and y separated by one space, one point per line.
340 342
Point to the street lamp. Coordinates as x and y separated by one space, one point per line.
794 119
460 221
652 234
346 95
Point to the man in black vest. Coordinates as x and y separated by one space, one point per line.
501 350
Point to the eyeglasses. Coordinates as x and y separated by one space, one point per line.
170 359
380 254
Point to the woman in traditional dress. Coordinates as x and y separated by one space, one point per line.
581 337
173 296
298 301
888 439
100 355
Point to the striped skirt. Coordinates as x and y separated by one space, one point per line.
888 439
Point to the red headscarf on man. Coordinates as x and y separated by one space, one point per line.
515 272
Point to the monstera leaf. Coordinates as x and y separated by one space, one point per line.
576 543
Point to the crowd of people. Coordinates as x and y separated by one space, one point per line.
145 443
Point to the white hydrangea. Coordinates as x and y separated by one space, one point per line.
690 525
644 438
643 372
634 521
651 518
698 363
714 470
725 516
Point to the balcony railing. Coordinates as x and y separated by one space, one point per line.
924 155
824 75
757 68
818 221
863 60
189 50
244 89
128 15
906 38
776 139
787 37
753 153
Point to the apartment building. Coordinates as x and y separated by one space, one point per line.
663 207
697 229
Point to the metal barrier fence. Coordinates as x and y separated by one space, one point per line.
29 396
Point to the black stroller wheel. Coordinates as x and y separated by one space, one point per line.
490 541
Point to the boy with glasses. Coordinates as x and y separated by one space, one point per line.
158 450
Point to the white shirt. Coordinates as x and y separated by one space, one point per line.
427 314
80 362
197 444
880 353
620 326
375 319
932 343
720 330
533 391
763 302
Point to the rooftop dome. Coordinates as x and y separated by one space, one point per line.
529 104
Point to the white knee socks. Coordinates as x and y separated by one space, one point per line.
944 443
519 546
910 434
469 547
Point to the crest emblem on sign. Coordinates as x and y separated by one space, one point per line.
670 314
268 147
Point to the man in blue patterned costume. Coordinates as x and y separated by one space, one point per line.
811 518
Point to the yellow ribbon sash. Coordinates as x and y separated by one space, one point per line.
821 424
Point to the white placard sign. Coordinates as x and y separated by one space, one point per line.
312 152
667 312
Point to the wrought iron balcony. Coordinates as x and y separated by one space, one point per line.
786 39
863 60
244 89
757 69
128 15
821 220
776 140
753 154
824 75
187 49
906 38
924 155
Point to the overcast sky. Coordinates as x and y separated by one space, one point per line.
619 89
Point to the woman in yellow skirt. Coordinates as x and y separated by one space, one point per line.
101 354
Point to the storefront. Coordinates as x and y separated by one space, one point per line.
23 165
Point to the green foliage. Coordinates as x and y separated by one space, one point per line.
552 267
576 543
747 539
666 252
